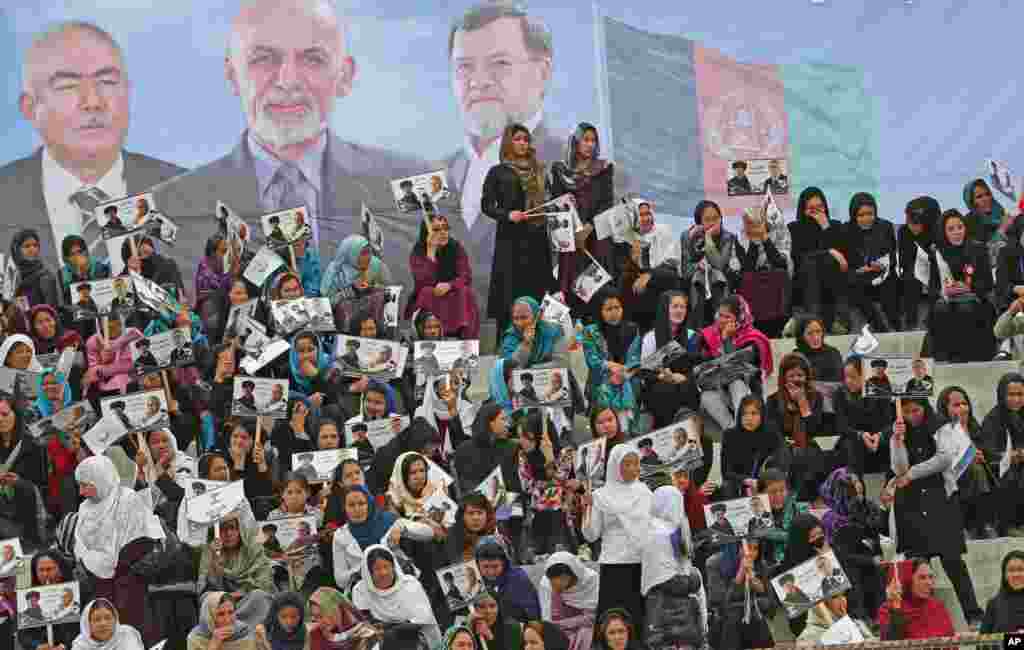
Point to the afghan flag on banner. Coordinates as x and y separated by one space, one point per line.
687 122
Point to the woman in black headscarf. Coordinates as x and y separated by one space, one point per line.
961 278
522 253
825 359
36 283
978 482
747 446
606 343
1002 441
928 517
819 264
1005 612
870 248
922 217
589 178
162 270
665 391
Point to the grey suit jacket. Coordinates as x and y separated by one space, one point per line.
479 241
21 194
352 174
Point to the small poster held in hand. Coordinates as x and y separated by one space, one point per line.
589 461
615 221
263 265
810 582
432 358
237 319
289 315
440 509
163 229
212 505
272 350
897 375
288 536
49 605
108 430
254 396
372 231
90 300
553 310
74 418
540 387
670 449
377 432
740 517
562 222
389 314
460 584
420 192
23 384
236 230
125 215
660 358
170 349
319 466
321 316
493 487
143 411
11 555
590 281
365 357
1002 179
285 227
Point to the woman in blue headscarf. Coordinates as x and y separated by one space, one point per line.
310 368
353 271
530 340
64 449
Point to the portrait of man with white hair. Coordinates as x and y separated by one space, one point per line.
76 92
501 60
288 63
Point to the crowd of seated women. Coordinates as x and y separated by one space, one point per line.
623 561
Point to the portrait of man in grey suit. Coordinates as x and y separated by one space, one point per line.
76 94
501 60
289 63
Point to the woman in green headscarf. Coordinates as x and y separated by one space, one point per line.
335 624
353 271
986 219
237 564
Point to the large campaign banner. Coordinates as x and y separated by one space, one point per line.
714 100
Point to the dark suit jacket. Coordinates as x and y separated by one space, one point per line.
21 193
352 175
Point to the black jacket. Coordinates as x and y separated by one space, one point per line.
811 240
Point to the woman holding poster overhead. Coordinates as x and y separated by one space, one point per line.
961 279
443 280
236 563
928 517
522 254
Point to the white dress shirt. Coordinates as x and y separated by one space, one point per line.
65 219
479 165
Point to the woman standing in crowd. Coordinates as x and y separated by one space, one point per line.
820 267
917 234
977 485
522 254
961 279
590 180
568 598
928 517
101 629
354 271
443 280
22 473
870 249
911 610
619 515
709 262
663 392
1005 612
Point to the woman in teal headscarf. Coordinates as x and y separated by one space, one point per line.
53 393
354 270
310 366
986 219
530 340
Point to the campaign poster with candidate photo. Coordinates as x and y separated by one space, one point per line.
106 431
214 503
371 230
739 517
810 582
74 418
319 466
9 277
755 176
389 313
540 387
1001 178
562 222
49 605
460 584
163 229
289 315
553 310
252 335
590 281
142 411
493 487
292 536
369 306
11 555
364 357
589 460
237 316
420 192
170 349
264 264
660 358
286 227
154 296
377 432
23 384
321 315
897 375
90 300
236 231
272 350
669 449
439 508
432 358
254 396
124 215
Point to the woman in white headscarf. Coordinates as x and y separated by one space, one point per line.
102 631
448 412
112 532
676 606
19 352
568 598
394 599
619 514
